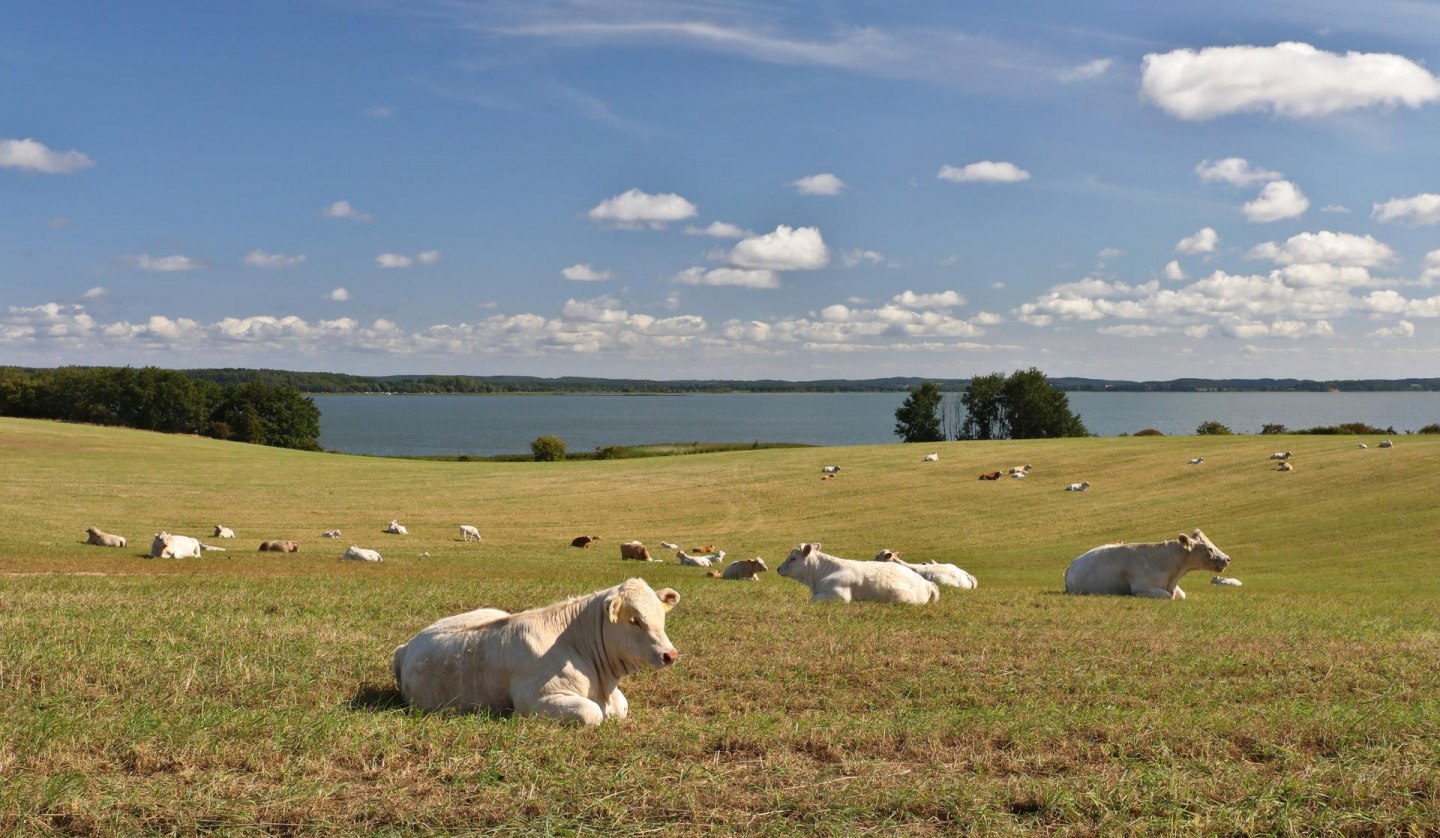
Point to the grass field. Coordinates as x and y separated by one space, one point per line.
249 693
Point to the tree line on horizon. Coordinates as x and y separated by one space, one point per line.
169 401
1021 405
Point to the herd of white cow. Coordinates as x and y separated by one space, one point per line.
566 660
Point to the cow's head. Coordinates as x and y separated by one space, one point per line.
757 565
637 615
1201 549
802 555
887 556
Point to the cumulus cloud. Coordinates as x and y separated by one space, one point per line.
985 171
1403 329
582 272
1325 247
162 264
1335 208
1174 272
821 184
1110 253
339 295
343 209
428 257
272 261
635 210
1289 79
717 229
737 277
1204 241
784 249
860 256
95 293
1235 171
29 155
1084 72
1417 210
942 299
394 260
1279 200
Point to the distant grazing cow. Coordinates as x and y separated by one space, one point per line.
563 661
223 532
360 554
1385 443
1078 487
1280 455
1286 467
635 551
97 536
1150 570
583 540
1021 471
940 574
830 470
931 458
469 533
167 546
397 528
1230 581
990 475
708 548
833 578
279 547
745 570
1363 445
1195 462
669 545
331 534
705 560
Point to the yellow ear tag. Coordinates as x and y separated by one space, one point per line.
667 605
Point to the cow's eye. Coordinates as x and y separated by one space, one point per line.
637 621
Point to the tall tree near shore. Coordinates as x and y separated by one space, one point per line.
1023 405
918 418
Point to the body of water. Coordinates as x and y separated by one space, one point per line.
487 425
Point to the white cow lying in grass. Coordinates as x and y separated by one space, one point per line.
940 574
563 660
745 570
360 554
469 533
167 546
331 534
829 577
933 457
1151 569
97 536
705 560
1078 487
397 528
223 532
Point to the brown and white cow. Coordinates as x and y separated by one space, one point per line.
635 551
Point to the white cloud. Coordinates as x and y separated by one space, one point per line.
33 156
634 210
821 184
1204 241
737 277
1325 247
161 264
1403 329
858 256
943 299
261 259
582 272
378 112
985 171
987 318
717 229
1084 72
785 249
1279 200
1235 171
1335 208
1417 210
95 293
428 257
1174 272
1289 79
1110 253
339 295
394 260
343 209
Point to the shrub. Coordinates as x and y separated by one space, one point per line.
1212 428
612 452
1149 432
548 448
1429 429
1346 428
1273 429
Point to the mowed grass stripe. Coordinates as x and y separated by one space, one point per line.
250 692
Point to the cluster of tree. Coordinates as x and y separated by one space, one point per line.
169 401
1021 405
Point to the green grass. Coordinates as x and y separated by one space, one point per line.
248 693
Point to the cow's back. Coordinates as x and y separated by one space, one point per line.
1107 569
459 662
875 581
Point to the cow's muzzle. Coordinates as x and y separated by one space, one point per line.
669 656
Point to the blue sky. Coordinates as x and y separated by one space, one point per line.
723 189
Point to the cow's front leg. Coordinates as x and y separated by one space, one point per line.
1154 593
1179 594
830 596
617 706
566 707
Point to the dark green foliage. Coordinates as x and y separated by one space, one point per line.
1022 405
169 401
1429 429
1149 432
1272 429
918 418
1210 427
612 452
548 449
1346 428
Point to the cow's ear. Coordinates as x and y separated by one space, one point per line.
668 597
811 548
1185 541
613 608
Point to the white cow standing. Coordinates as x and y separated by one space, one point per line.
1150 569
940 574
563 660
469 533
833 578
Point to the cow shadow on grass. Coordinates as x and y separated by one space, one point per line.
376 698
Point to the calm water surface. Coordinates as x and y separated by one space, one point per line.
486 425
